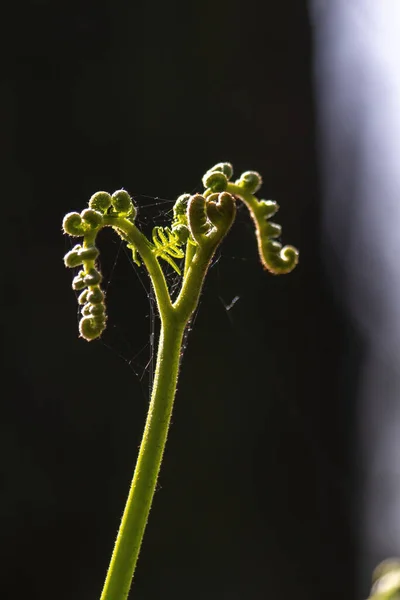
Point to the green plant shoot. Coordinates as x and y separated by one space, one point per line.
199 224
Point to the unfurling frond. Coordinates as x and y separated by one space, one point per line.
167 244
198 225
87 225
276 259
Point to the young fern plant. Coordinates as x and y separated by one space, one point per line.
199 224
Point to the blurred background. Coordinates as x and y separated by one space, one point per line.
281 474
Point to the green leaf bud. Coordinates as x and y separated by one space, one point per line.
95 296
273 230
225 168
78 282
100 319
73 259
89 253
180 206
72 225
90 328
97 309
122 204
182 233
92 217
267 208
86 310
250 181
215 180
82 299
100 202
272 246
92 277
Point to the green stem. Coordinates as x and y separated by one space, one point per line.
131 531
190 252
174 319
192 284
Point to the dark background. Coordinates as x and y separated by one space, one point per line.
255 494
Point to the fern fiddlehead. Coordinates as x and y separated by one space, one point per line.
87 224
199 224
91 300
276 259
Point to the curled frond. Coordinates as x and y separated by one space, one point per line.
100 201
273 257
78 282
91 327
182 233
267 208
78 255
211 218
88 253
224 167
250 181
92 277
180 208
97 310
95 295
199 224
82 299
87 281
221 210
73 259
273 230
91 217
86 310
73 225
122 204
217 181
119 204
276 259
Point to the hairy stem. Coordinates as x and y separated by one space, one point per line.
192 284
206 223
174 319
131 531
